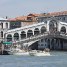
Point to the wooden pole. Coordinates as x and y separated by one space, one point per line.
2 48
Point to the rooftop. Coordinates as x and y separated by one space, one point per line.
55 13
24 18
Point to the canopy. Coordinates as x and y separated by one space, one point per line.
7 43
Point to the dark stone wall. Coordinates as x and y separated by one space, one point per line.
34 46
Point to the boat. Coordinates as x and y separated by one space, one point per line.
17 51
32 52
39 53
42 54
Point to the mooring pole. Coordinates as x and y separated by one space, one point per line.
2 48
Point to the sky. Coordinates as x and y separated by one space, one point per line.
14 8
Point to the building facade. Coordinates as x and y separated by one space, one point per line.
61 16
4 26
22 21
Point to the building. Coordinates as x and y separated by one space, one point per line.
62 16
4 26
23 21
14 23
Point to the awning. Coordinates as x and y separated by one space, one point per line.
7 43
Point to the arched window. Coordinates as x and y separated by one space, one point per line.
9 37
36 31
23 34
1 33
16 36
43 29
2 25
29 33
63 29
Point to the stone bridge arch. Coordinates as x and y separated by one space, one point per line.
43 29
23 34
29 33
36 31
9 37
53 25
63 29
16 36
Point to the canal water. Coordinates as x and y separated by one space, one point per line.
57 59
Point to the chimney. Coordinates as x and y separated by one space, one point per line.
6 17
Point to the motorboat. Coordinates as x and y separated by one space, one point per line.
16 50
39 53
32 52
42 54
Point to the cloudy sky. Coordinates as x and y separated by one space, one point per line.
14 8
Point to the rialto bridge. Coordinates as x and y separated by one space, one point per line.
29 34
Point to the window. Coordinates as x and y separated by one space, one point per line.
45 39
63 18
29 18
6 25
41 40
1 33
2 25
41 44
45 44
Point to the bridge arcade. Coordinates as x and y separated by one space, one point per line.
51 27
25 32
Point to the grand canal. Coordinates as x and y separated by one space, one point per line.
57 59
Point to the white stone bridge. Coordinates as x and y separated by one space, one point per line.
29 34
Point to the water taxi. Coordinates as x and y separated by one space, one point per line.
18 51
39 53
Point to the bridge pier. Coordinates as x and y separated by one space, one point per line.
56 44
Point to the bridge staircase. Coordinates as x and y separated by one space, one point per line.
30 40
